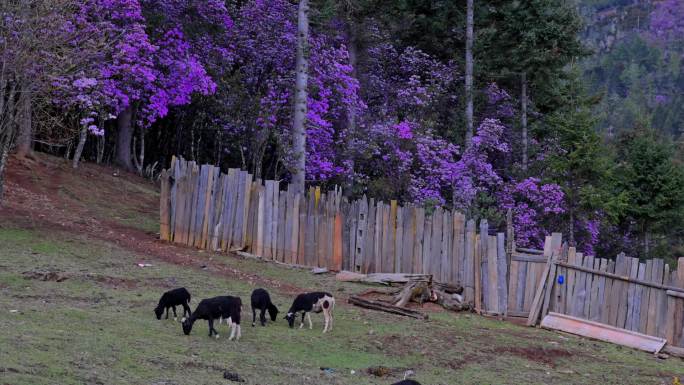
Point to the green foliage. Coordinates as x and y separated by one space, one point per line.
539 37
654 183
580 164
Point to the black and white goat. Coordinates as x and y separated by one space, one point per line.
262 301
221 308
312 302
171 299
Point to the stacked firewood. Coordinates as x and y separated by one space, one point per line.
418 288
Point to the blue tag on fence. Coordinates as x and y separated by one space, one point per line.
561 279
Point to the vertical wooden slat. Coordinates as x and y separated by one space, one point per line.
268 215
601 293
570 282
281 226
387 265
174 177
378 239
622 267
631 294
492 275
195 193
398 239
502 272
445 260
353 235
436 243
555 242
661 300
418 242
294 241
427 244
245 207
409 237
346 233
468 263
260 222
589 279
639 295
369 245
361 234
227 219
238 191
203 189
287 236
513 286
309 252
220 201
458 249
274 219
478 273
301 241
164 199
484 271
392 234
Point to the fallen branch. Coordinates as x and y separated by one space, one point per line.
450 301
382 278
674 351
386 307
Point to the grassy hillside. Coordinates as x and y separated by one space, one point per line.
76 308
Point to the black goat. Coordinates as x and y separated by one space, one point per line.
221 308
262 301
171 299
312 302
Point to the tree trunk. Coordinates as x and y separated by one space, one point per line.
469 74
82 136
4 154
523 119
25 137
123 138
571 226
300 105
100 148
7 127
139 157
351 112
647 242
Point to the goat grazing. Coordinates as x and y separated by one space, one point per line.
316 302
262 301
217 308
171 299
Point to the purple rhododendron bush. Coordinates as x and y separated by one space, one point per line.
389 105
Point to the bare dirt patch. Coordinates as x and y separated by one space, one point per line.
537 354
55 276
35 197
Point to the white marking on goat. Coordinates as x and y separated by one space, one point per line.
308 317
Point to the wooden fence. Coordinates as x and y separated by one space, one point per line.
204 208
645 297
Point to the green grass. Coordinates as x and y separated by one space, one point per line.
97 326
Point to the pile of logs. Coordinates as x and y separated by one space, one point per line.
418 288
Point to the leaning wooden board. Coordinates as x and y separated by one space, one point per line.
599 331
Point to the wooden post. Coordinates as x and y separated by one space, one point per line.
164 206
